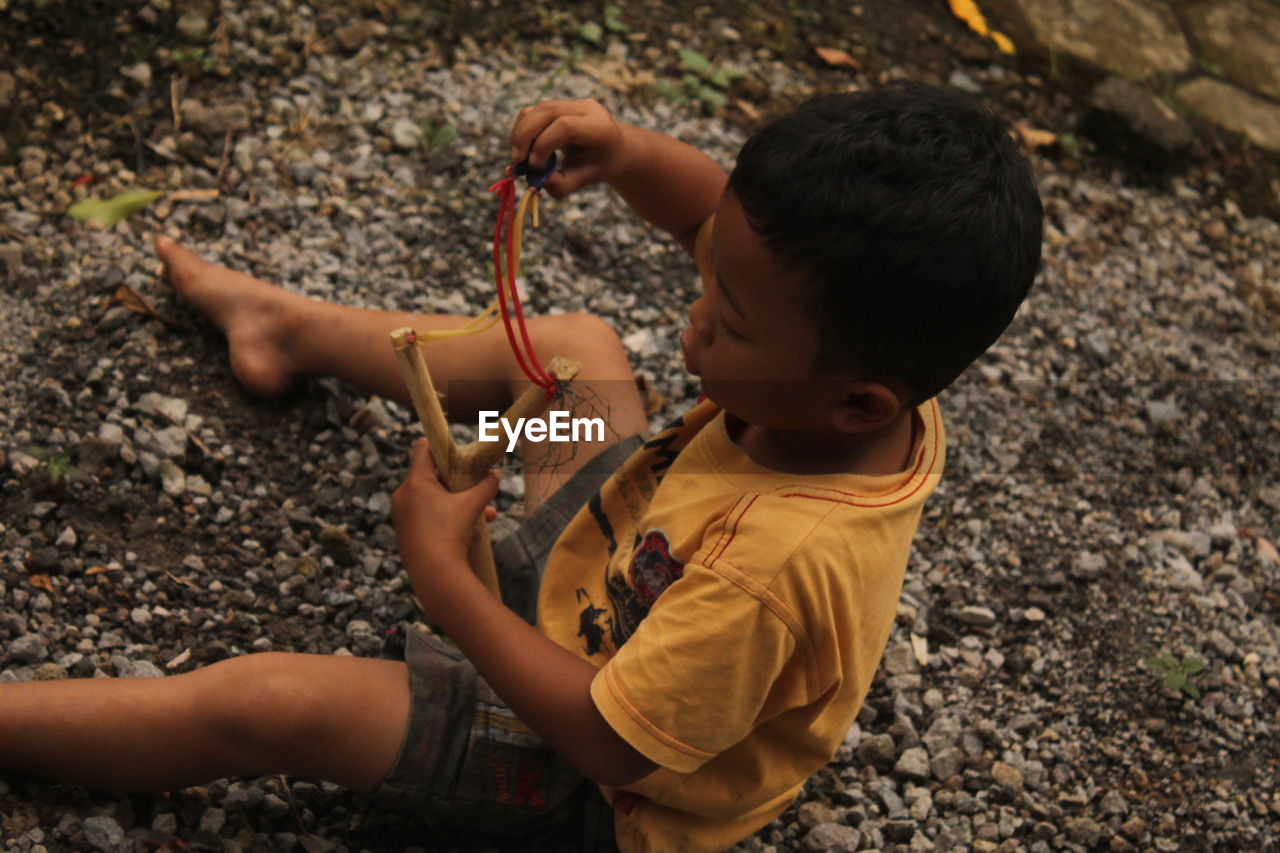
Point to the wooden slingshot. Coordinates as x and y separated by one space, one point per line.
462 467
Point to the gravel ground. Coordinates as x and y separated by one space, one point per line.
1110 493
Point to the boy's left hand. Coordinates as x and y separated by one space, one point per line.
433 525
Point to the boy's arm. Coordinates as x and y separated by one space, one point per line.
667 182
548 687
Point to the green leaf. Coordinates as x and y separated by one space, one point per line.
669 90
114 209
724 77
694 61
591 32
613 20
1176 680
1191 665
445 134
59 465
1154 663
712 97
1169 661
1191 690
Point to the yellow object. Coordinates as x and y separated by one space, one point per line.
968 11
486 318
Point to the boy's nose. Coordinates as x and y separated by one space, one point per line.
700 323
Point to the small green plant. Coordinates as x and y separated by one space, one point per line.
1213 69
1177 673
144 50
1074 146
434 138
701 80
613 20
53 477
193 58
593 33
56 465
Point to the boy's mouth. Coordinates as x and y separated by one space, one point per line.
684 350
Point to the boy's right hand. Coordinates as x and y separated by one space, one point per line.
589 138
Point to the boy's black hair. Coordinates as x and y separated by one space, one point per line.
913 215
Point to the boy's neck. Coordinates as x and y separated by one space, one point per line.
885 451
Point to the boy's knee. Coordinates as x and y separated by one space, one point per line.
265 707
583 337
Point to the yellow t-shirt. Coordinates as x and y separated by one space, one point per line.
737 615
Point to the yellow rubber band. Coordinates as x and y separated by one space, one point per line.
486 319
518 243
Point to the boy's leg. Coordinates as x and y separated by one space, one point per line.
341 719
276 337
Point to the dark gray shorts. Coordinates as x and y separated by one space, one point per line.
467 760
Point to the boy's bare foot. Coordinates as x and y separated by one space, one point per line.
255 316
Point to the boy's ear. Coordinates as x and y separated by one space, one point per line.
866 407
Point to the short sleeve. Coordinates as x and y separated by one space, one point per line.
693 678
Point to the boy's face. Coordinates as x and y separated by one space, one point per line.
748 339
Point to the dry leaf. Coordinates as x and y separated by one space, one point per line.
617 75
920 646
837 58
165 152
195 439
748 109
126 297
193 195
1035 138
97 570
171 576
42 582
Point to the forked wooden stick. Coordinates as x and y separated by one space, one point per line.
462 467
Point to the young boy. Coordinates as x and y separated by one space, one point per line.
710 617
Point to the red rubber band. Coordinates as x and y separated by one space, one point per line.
546 382
532 369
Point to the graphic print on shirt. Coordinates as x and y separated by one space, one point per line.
653 568
664 454
602 521
589 627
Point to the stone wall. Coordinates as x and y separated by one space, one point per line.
1218 60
